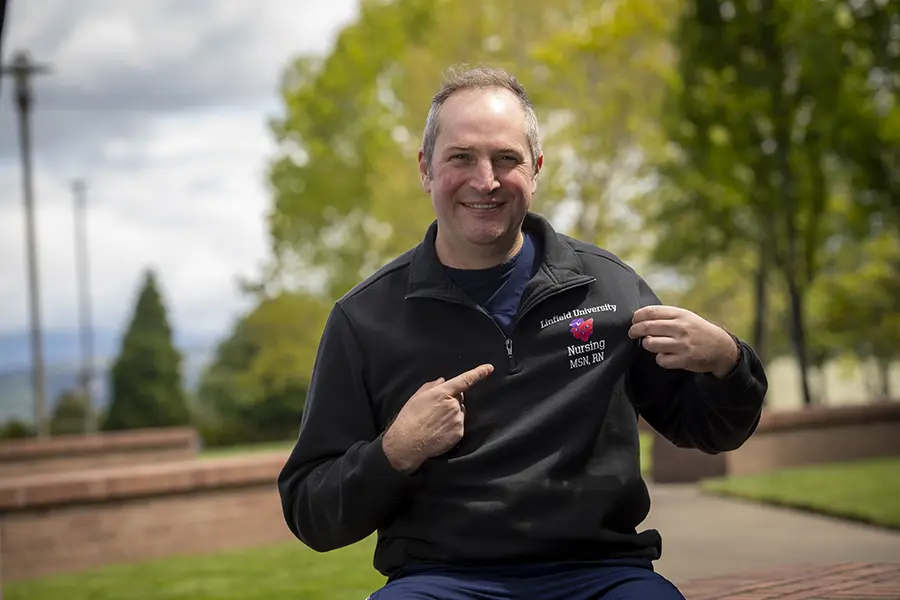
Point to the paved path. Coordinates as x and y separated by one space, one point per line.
707 536
842 581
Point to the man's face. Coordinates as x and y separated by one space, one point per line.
482 177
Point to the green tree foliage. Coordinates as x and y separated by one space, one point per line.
146 382
747 147
345 182
598 83
858 304
753 121
339 120
255 388
15 429
69 414
868 143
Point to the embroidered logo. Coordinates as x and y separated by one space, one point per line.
582 329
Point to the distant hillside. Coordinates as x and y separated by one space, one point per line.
62 356
59 347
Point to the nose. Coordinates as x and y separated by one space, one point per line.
484 177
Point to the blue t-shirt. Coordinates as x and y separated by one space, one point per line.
499 289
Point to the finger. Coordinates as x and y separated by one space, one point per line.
661 344
664 328
464 381
670 361
656 312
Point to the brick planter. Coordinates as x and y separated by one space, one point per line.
784 439
69 522
107 449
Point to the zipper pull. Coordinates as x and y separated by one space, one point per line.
509 348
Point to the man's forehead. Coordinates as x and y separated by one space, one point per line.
480 143
482 117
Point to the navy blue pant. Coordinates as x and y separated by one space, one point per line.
604 581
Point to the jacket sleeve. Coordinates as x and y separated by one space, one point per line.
699 410
337 486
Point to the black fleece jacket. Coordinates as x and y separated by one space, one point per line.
548 468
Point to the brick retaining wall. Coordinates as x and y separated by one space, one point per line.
816 435
68 522
107 449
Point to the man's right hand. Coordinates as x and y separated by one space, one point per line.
431 422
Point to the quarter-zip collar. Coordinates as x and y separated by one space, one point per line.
560 266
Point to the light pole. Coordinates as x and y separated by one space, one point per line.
22 69
84 302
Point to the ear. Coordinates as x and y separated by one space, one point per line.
424 178
538 165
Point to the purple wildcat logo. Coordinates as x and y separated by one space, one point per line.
582 329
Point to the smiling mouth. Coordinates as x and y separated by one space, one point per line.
486 206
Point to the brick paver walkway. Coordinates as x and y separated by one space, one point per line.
844 581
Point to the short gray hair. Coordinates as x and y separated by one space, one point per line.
459 78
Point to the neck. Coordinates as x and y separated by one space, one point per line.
477 257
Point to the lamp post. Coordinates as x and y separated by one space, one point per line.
21 69
84 303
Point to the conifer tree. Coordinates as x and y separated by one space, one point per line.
146 383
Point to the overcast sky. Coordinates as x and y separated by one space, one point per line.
161 108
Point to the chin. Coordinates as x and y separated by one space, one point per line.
488 235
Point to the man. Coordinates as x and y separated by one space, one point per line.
476 400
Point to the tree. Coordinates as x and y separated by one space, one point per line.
754 117
599 78
69 413
339 121
255 388
346 190
146 381
868 143
859 304
15 429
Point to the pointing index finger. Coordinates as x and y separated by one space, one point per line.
464 381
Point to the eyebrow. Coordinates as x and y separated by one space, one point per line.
506 150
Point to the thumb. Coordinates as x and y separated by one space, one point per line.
430 384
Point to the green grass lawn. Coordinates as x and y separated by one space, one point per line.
284 571
220 451
865 491
646 442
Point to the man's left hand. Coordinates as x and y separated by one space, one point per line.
682 339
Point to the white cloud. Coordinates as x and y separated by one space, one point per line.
161 107
194 210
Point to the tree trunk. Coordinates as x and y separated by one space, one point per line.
820 369
781 116
761 302
798 336
884 379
